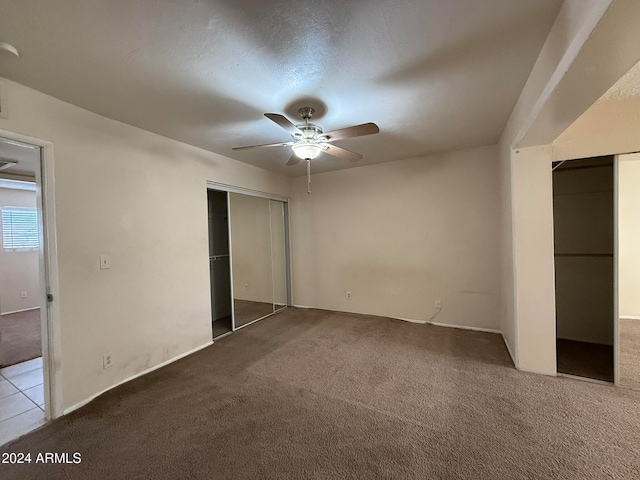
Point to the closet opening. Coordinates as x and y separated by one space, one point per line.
248 257
583 216
219 263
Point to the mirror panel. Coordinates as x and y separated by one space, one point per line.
251 257
629 270
278 254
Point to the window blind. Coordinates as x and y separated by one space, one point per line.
19 228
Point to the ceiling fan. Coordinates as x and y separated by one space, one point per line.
309 140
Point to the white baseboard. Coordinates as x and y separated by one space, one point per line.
149 370
465 327
413 320
628 317
20 311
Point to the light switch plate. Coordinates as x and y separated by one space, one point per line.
105 262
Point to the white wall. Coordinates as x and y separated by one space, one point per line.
583 224
141 198
608 126
629 235
575 22
19 270
400 235
533 259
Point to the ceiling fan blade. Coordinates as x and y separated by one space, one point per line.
342 153
294 160
283 122
287 144
355 131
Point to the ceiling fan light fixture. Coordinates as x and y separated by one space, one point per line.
306 150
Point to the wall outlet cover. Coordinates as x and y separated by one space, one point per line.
107 360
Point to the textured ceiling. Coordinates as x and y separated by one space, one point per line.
435 75
628 86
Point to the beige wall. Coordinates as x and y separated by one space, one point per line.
19 271
141 198
400 235
629 235
609 126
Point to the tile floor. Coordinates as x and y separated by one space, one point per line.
21 399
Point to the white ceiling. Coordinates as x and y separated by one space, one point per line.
435 75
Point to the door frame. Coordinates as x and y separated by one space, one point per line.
270 196
48 271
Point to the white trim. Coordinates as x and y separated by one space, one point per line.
465 327
48 266
616 271
412 320
149 370
215 339
244 191
621 317
586 379
20 311
229 220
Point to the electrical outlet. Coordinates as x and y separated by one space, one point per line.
23 294
107 361
105 262
348 295
438 304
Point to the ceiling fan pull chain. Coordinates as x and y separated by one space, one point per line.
309 176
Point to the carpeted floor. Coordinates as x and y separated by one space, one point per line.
247 311
221 326
308 394
21 337
629 352
582 359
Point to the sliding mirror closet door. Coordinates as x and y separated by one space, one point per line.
251 258
278 253
629 271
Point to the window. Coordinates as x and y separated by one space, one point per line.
19 228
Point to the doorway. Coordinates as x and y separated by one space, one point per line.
583 215
24 390
248 257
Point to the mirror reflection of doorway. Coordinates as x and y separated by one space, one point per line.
583 211
248 259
